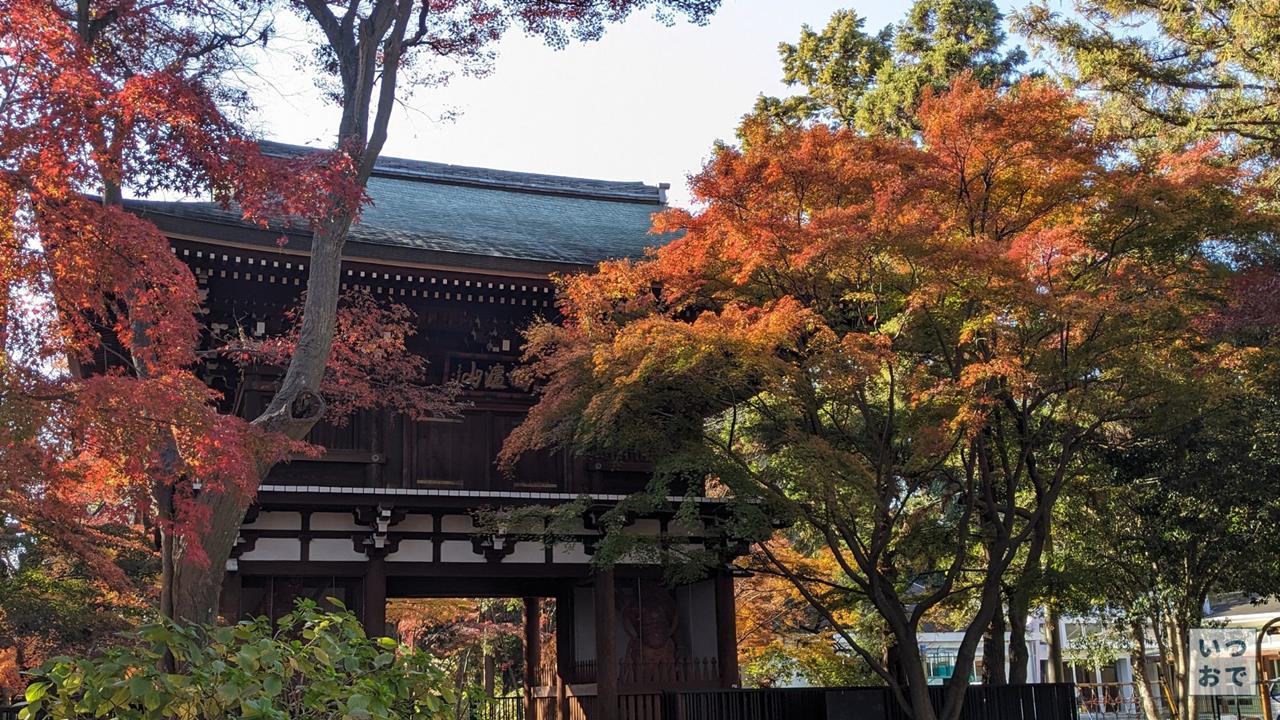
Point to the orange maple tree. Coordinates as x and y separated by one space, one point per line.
781 637
899 345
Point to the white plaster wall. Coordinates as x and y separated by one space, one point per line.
334 521
334 549
570 553
527 551
413 551
676 528
645 526
456 523
275 549
459 551
416 523
276 521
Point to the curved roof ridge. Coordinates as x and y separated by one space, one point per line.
444 173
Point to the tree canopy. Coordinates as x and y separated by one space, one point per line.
902 347
1170 71
874 82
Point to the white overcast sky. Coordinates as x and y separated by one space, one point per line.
645 102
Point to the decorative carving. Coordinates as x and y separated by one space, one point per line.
487 375
373 544
652 622
244 543
380 520
494 547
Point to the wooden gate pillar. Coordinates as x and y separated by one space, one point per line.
375 596
532 654
726 631
566 665
606 652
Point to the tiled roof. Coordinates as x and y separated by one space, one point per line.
475 211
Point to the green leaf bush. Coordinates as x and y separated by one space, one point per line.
309 664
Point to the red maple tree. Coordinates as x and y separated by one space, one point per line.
98 335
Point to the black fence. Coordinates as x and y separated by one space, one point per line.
501 708
1004 702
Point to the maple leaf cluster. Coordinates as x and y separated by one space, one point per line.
829 248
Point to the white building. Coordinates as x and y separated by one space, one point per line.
939 650
1105 679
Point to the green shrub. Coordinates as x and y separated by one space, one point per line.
311 664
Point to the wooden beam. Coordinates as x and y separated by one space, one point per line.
726 631
356 253
606 652
562 699
532 653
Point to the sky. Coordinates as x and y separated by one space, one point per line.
645 102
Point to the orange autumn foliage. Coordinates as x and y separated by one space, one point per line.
900 345
780 637
100 342
97 316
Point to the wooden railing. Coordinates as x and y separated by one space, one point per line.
680 673
690 671
631 706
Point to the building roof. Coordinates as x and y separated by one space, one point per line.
1229 605
438 208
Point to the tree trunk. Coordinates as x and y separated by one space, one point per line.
1138 664
489 666
902 659
1051 632
1184 702
993 658
293 411
297 405
1019 656
1019 600
197 582
988 608
911 667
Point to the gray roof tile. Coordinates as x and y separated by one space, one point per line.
476 211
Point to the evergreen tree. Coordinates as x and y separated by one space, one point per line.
1171 71
875 82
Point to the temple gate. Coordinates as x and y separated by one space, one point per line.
389 510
